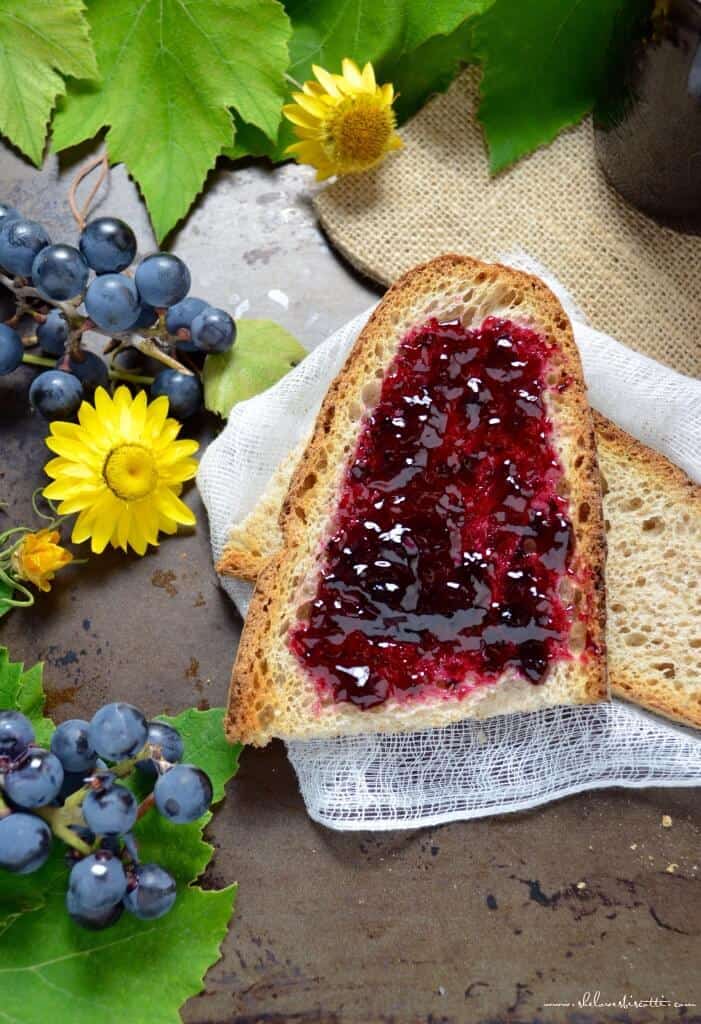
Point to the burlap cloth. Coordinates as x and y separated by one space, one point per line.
634 279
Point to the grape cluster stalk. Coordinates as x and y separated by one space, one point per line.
147 313
75 791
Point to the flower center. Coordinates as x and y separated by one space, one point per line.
130 472
359 130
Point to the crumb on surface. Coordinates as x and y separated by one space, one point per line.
666 821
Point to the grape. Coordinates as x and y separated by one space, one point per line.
110 811
8 213
97 920
183 313
213 330
11 350
146 318
112 302
36 782
71 745
162 279
52 335
20 241
180 316
16 734
59 272
183 391
25 843
118 731
56 394
183 794
168 746
154 892
108 245
90 370
96 883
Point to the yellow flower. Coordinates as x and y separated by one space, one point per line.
345 123
122 470
39 556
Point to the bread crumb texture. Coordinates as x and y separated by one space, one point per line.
652 515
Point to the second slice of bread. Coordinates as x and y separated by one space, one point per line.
271 693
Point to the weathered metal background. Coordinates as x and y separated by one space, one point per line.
487 921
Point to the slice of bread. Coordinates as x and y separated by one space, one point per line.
652 513
258 535
272 693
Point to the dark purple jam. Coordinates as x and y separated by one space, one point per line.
450 537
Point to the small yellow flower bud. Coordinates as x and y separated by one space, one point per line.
38 558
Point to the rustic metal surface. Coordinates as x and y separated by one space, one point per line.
486 921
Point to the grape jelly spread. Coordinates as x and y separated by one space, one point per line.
450 537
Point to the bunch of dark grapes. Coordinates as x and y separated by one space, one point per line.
75 790
68 291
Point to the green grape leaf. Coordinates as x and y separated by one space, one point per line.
5 591
171 71
264 352
326 31
40 41
50 969
249 141
46 961
543 64
430 68
24 691
20 894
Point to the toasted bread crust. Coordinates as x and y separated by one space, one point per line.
257 708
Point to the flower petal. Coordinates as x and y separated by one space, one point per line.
136 536
368 77
351 72
299 117
326 79
178 472
173 507
311 104
156 417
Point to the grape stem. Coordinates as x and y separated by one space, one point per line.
80 216
25 291
60 826
130 378
148 347
123 768
145 806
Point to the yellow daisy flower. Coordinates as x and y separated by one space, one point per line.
345 123
38 557
121 468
